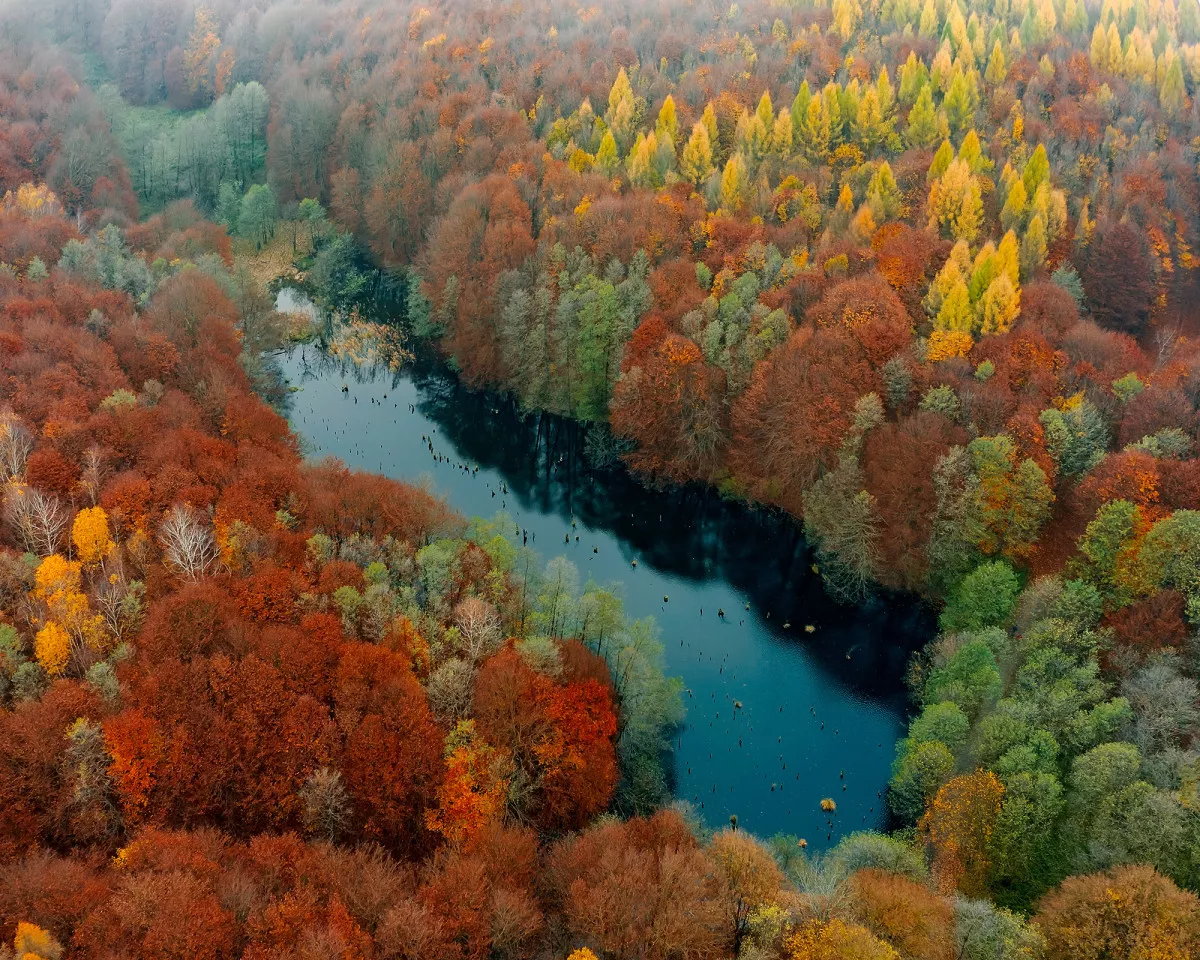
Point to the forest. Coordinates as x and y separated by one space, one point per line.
917 275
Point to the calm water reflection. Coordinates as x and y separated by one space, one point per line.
820 712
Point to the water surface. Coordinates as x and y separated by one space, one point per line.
819 711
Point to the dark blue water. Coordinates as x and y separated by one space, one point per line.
820 711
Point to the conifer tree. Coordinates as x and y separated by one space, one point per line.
696 163
1172 95
956 313
997 69
607 159
733 183
924 127
1033 247
667 125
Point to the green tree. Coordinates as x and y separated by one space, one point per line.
985 598
1172 94
257 215
883 194
1076 438
1033 247
925 126
607 160
916 776
969 679
961 101
997 69
1012 214
1037 171
1011 500
229 205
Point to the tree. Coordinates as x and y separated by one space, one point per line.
917 774
16 444
959 823
1118 277
997 69
669 401
733 183
1127 912
904 912
1036 172
961 100
696 162
970 679
257 214
90 535
607 159
1001 305
325 805
956 314
748 876
883 194
835 939
39 519
1076 437
985 598
1012 500
188 541
955 202
1012 215
925 125
32 941
475 787
560 739
641 885
840 519
52 647
1172 94
1033 247
666 127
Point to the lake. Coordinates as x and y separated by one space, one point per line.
821 709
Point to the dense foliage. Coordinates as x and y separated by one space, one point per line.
918 274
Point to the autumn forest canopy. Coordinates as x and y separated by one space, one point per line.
918 276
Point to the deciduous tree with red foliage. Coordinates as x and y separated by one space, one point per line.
559 738
669 402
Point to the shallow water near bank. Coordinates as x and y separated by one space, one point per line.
778 717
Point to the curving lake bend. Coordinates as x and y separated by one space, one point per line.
820 711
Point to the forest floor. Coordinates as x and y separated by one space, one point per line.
273 261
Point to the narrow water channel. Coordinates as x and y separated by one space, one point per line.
820 685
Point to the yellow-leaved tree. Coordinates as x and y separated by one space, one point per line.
34 943
52 647
959 823
696 163
834 939
91 536
58 586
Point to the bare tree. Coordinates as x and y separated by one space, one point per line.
188 541
325 809
16 444
94 472
39 519
449 689
479 628
120 601
1167 339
